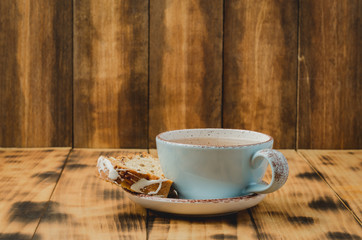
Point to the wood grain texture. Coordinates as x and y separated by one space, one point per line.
110 74
82 206
85 207
236 226
260 68
27 179
36 73
185 65
342 171
153 151
330 100
304 208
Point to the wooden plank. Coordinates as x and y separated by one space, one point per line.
153 151
330 102
85 207
111 73
260 68
36 73
305 208
342 171
27 180
185 65
235 226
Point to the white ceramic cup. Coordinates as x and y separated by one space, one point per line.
219 170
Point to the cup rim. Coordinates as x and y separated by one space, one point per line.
160 138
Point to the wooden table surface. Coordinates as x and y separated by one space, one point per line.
54 193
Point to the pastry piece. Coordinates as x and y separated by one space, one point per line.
140 173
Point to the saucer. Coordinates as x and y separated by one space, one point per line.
196 207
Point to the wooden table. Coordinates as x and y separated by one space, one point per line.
54 193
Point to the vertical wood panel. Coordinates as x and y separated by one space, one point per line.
260 68
110 75
36 73
330 74
185 65
111 71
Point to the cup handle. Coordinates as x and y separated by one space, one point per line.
279 167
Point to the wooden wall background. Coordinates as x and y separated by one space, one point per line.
115 73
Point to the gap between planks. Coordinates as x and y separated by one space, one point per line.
75 195
22 207
50 196
148 215
331 187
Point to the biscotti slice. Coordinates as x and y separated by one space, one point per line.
140 173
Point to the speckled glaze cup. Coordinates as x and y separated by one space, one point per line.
220 171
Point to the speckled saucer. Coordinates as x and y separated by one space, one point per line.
193 207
